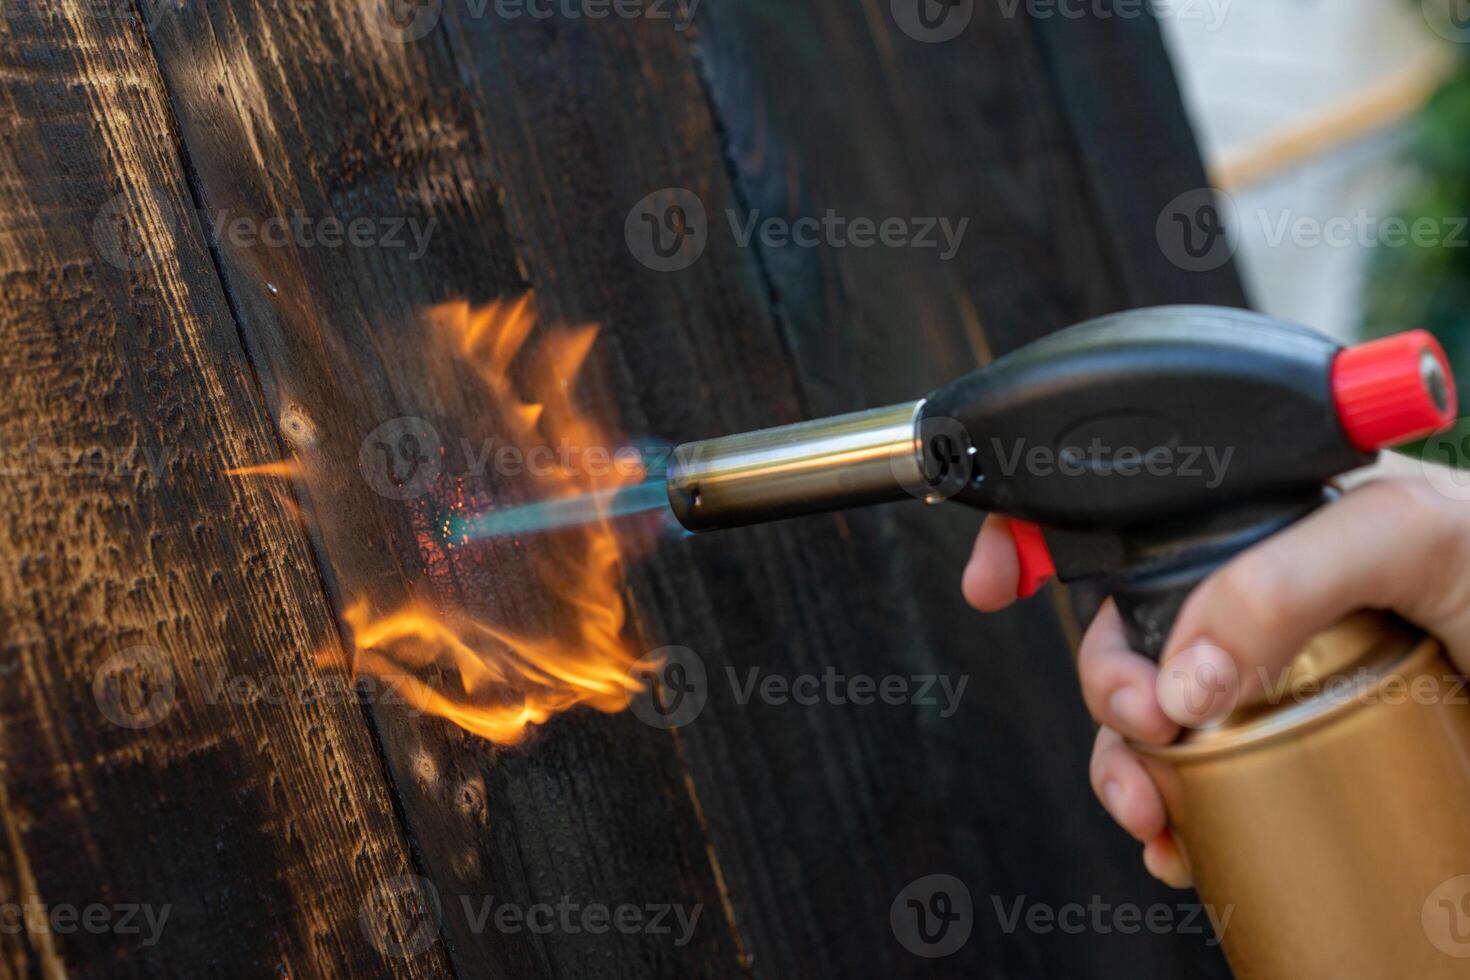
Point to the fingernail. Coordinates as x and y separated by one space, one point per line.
1113 796
1167 863
1199 686
1126 707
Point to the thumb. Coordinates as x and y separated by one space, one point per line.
1396 544
991 579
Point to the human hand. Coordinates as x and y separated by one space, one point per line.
1396 544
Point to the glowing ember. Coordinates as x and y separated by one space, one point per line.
285 468
486 679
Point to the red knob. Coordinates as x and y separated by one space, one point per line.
1393 390
1035 557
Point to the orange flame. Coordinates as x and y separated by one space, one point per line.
507 682
285 469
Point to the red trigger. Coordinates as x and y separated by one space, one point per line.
1035 558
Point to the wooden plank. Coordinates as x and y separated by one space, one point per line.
289 108
530 141
879 131
1138 153
164 755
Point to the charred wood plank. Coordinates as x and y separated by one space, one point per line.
180 797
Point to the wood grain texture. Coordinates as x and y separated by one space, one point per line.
522 144
160 744
880 132
1138 154
341 122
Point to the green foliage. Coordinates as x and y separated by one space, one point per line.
1415 284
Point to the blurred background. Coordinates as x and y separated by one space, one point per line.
1339 132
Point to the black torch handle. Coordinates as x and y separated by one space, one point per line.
1151 589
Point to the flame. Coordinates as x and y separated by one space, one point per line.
285 469
489 680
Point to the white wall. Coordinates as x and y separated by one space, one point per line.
1262 65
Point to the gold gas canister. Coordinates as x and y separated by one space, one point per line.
1327 822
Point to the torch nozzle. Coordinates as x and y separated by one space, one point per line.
810 467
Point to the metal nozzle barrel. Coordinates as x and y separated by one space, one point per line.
845 461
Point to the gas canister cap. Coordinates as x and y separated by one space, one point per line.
1393 390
